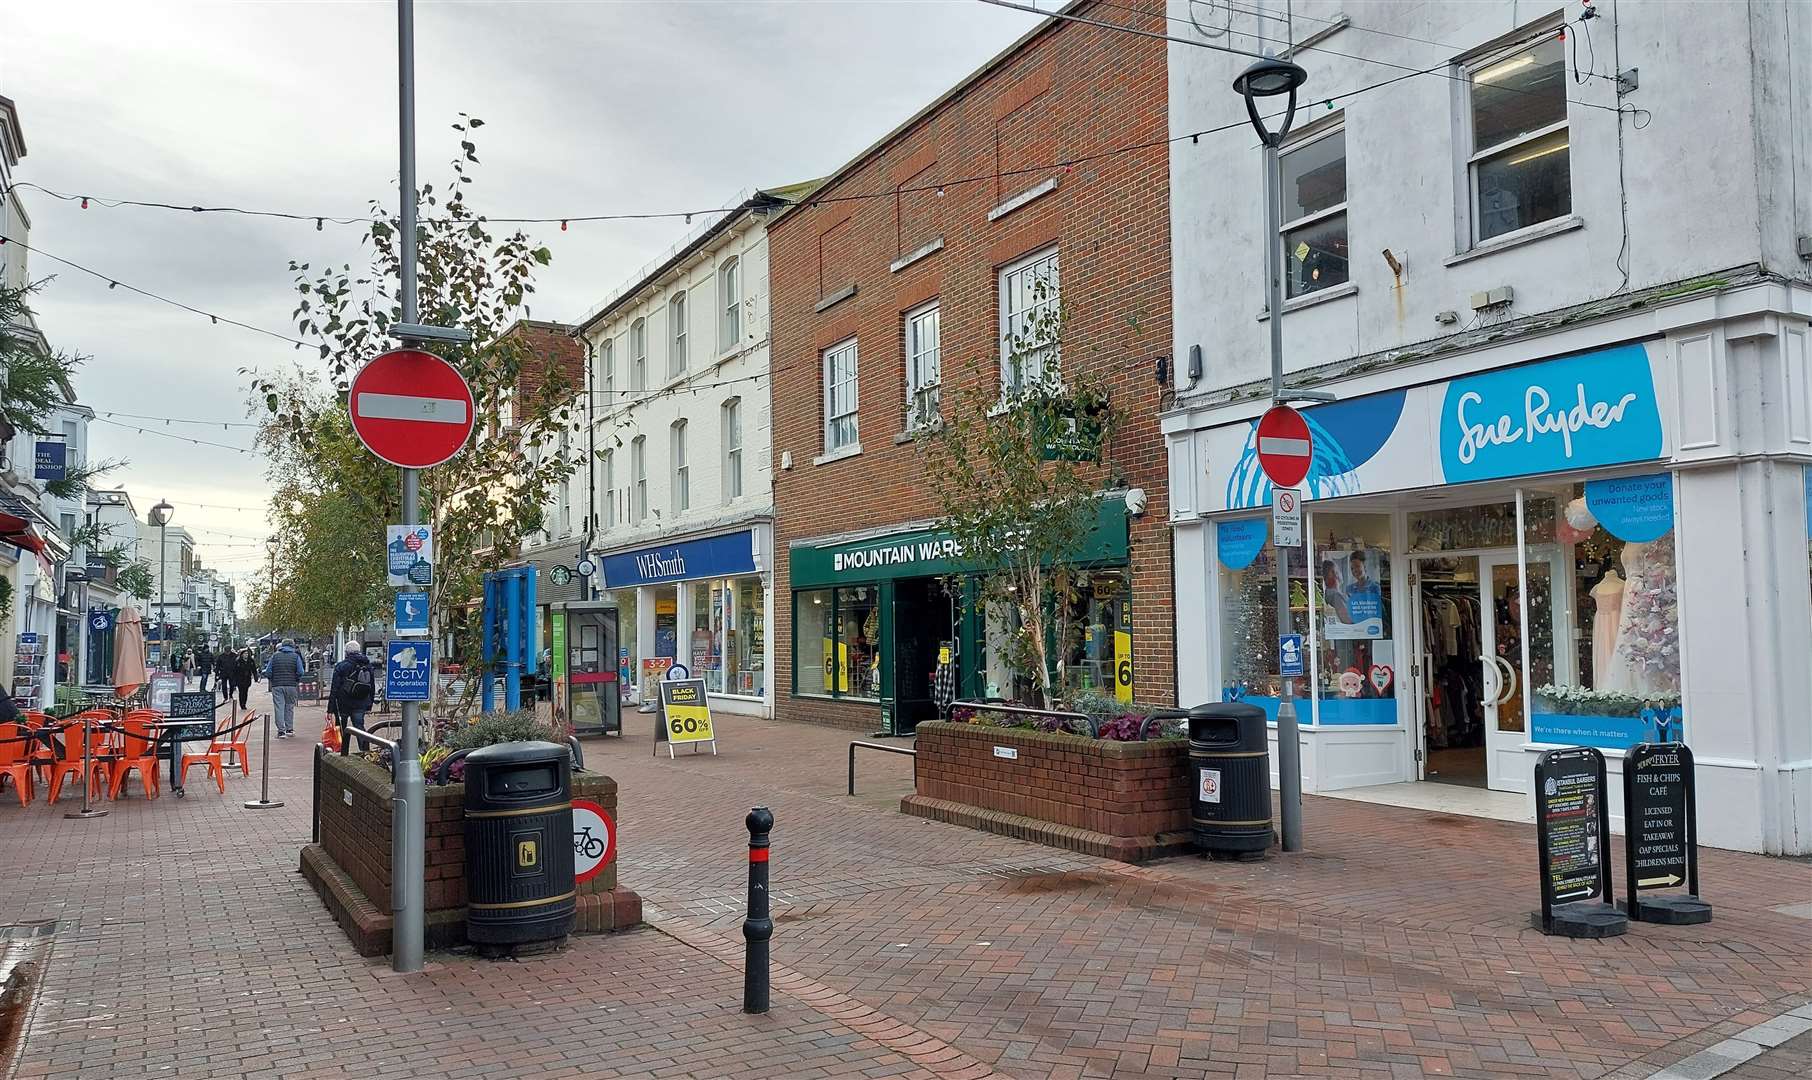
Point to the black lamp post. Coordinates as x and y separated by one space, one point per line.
160 517
1268 78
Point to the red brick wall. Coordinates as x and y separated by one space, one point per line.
1129 791
1074 92
550 347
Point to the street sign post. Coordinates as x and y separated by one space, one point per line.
1661 841
411 408
1285 447
1573 833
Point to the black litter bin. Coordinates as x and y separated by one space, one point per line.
519 844
1230 770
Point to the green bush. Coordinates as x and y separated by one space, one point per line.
501 727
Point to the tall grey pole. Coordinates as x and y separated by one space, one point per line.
407 828
1289 741
163 634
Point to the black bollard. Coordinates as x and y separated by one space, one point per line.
758 927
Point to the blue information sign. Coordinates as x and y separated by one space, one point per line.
1289 656
411 671
411 614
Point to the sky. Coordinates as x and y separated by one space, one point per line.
600 107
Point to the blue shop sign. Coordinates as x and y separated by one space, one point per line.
711 557
50 461
1578 412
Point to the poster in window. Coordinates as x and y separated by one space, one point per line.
1350 594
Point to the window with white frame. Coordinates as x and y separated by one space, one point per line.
676 323
923 370
638 468
610 489
732 449
1517 166
1314 212
682 475
729 304
607 363
840 428
638 355
1030 318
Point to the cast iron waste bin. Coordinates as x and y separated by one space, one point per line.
1230 769
519 844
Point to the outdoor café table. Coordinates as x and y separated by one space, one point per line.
158 727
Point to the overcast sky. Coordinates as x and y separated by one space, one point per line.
632 105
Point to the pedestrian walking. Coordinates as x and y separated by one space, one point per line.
284 673
226 661
244 670
352 690
204 664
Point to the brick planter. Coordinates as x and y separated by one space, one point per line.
1120 800
350 866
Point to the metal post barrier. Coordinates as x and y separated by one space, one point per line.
758 927
314 826
87 810
883 747
263 801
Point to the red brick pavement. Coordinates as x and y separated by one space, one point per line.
1397 947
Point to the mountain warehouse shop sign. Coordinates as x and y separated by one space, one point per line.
901 554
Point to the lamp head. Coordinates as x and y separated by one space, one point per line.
160 514
1270 77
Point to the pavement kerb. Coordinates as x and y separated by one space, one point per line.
1723 1046
925 1050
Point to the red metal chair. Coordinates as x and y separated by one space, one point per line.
209 757
15 762
95 768
139 752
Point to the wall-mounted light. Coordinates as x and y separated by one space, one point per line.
1195 364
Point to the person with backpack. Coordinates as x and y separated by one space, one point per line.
284 671
352 690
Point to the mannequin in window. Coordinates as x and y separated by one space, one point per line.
1607 601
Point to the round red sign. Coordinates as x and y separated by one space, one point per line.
594 839
1285 447
411 408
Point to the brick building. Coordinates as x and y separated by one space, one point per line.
895 284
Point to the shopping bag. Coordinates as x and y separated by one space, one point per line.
330 736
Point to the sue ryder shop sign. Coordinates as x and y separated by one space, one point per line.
934 552
1584 411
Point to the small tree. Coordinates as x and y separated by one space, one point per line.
337 496
35 382
1017 477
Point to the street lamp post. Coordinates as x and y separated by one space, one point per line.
1268 78
160 517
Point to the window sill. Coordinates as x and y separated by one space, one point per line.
838 454
904 261
835 298
1517 239
1333 292
1029 195
840 699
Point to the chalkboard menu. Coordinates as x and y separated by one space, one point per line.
1661 841
191 703
1572 830
1569 800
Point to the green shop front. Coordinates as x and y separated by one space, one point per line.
879 616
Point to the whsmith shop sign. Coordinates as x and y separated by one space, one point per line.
710 557
933 552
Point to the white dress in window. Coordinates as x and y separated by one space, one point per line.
1607 602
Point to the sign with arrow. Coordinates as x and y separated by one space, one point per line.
1661 848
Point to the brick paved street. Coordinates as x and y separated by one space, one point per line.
187 944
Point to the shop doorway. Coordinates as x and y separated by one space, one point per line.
924 624
1469 686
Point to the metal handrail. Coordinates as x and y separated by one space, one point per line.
1089 724
883 747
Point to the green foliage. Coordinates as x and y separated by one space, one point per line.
1012 508
135 579
521 725
33 382
334 498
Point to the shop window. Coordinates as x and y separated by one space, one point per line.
1518 168
835 635
745 644
1247 578
1314 212
1098 659
1461 528
1003 678
1603 615
666 622
705 640
627 653
1356 661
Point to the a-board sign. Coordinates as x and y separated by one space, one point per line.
163 685
1661 835
594 839
1572 828
686 713
191 703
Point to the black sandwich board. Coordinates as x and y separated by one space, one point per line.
1661 835
1573 833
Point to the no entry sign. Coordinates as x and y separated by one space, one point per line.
411 408
1284 446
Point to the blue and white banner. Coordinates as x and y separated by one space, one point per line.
713 556
1574 412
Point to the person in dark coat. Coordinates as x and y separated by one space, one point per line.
204 664
245 669
352 690
225 663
